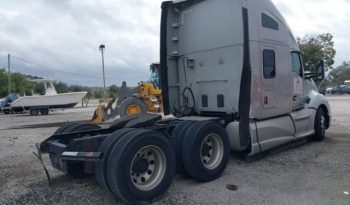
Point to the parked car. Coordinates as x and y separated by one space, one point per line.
328 91
345 89
336 90
322 91
2 102
5 104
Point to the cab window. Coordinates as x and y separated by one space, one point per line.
269 64
296 63
268 22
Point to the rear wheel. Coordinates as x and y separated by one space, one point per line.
176 139
44 111
132 106
141 167
320 125
205 151
105 148
33 112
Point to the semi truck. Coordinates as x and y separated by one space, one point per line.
232 78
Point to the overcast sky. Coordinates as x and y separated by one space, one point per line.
46 37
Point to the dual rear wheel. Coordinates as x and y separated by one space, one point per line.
202 149
138 165
36 111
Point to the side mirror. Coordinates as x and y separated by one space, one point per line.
320 70
319 74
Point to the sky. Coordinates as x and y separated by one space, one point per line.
59 39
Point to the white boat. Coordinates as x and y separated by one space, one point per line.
50 99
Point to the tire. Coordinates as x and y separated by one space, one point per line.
320 125
136 164
81 126
105 148
75 169
132 106
176 140
62 129
44 111
205 151
33 112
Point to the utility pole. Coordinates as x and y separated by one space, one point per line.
9 72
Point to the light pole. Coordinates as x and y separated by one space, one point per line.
9 72
102 48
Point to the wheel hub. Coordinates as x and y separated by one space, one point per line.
133 109
140 166
148 168
206 149
212 150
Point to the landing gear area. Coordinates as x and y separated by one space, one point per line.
136 158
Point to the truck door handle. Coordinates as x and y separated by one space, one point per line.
266 100
295 98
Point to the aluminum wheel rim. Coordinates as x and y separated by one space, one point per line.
156 160
212 151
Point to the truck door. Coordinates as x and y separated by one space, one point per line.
275 74
302 118
298 97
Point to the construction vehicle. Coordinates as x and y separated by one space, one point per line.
235 85
147 97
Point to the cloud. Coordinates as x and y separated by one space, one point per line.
50 35
65 35
317 17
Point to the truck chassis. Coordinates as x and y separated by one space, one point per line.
137 156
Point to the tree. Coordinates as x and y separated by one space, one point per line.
97 94
340 74
20 85
61 87
317 47
3 83
113 91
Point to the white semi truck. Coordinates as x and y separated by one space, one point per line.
233 77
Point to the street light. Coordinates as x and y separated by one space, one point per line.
102 48
9 72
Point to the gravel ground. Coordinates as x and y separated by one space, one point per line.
313 173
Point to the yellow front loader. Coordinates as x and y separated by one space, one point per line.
146 98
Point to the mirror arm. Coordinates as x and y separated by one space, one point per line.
310 75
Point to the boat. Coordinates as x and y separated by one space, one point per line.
49 100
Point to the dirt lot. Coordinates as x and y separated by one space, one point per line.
314 173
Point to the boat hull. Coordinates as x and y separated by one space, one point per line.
63 100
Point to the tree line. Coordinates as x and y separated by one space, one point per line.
23 85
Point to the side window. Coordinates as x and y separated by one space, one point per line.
269 64
296 63
268 22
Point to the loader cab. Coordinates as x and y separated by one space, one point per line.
154 75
